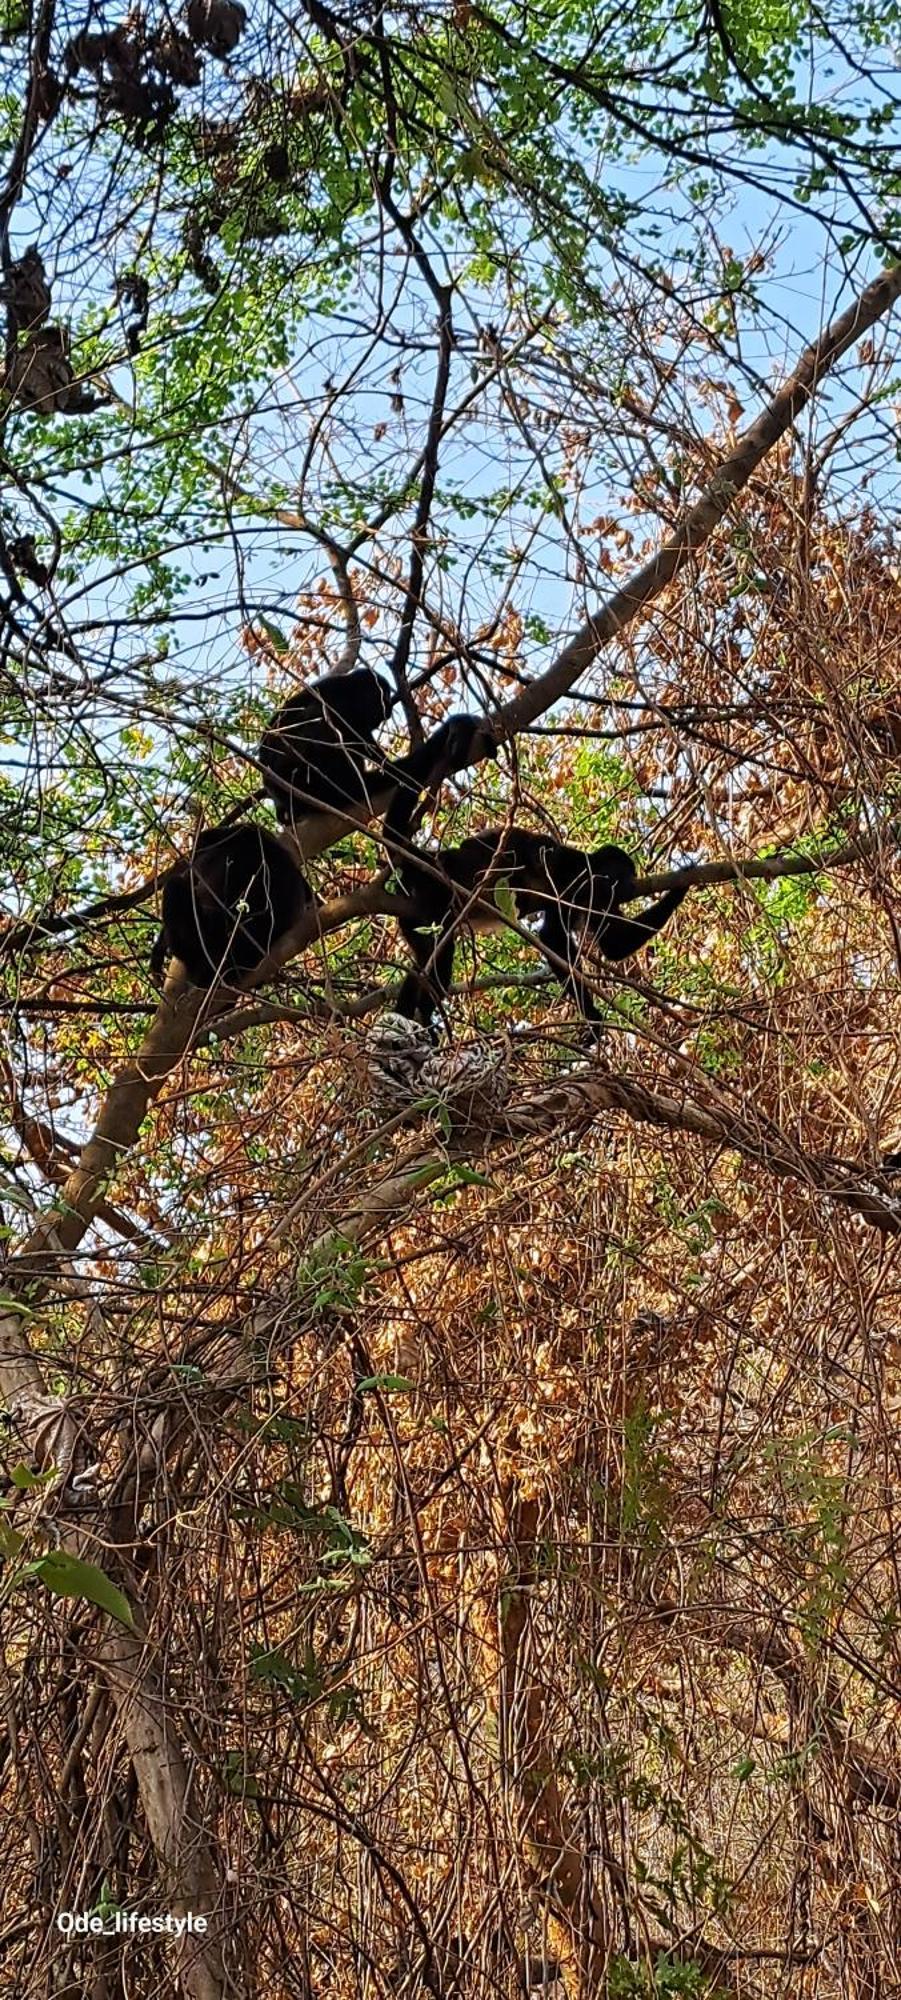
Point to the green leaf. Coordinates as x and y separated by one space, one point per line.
274 635
11 1542
13 19
274 1665
69 1576
400 1383
467 1177
23 1478
239 1781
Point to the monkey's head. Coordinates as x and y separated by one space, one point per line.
614 866
468 739
362 700
367 698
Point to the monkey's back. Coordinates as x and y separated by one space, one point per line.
225 907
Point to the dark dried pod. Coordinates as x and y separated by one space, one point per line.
85 51
143 104
199 259
41 377
175 56
133 290
25 291
47 95
29 564
216 25
277 163
40 373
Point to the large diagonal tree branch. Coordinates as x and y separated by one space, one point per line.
572 1105
698 522
557 1862
693 528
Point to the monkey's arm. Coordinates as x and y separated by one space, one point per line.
562 951
620 936
158 959
428 987
424 769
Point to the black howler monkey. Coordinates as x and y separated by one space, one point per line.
316 750
225 908
576 895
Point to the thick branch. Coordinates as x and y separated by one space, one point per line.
697 523
187 1869
557 1861
572 1105
575 1102
765 1640
770 868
